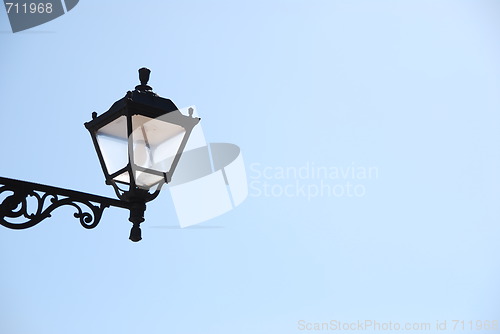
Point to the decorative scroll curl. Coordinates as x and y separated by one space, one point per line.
26 204
17 205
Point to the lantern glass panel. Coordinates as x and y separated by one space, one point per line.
155 145
113 143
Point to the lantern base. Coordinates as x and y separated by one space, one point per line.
135 233
136 217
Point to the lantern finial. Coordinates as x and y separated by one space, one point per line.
144 78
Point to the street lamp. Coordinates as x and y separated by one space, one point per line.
138 141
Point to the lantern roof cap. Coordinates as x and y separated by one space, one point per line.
141 100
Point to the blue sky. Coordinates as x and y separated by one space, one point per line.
407 87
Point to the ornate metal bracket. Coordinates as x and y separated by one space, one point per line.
25 204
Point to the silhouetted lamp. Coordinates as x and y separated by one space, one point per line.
139 142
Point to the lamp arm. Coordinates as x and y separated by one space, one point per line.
20 204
